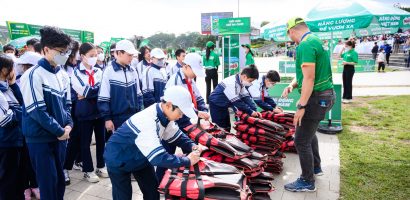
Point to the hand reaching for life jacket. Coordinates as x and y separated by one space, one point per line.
256 114
194 157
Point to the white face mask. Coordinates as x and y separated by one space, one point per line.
160 63
100 57
246 83
134 62
269 85
91 61
59 59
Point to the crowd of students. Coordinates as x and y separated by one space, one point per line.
59 93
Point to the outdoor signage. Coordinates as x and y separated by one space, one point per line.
361 66
18 30
207 21
241 25
289 104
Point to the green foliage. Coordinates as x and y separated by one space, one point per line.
184 41
374 153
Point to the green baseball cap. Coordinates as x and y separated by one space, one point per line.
293 22
210 44
246 45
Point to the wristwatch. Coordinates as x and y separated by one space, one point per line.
301 107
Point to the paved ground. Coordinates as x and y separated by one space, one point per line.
365 84
327 185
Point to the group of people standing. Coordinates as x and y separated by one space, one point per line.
138 107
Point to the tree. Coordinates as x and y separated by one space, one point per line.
264 23
162 40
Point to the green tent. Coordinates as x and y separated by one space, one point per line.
21 42
343 18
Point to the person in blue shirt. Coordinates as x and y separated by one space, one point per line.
180 55
11 138
46 114
135 147
120 96
191 68
86 82
387 50
154 78
232 92
259 91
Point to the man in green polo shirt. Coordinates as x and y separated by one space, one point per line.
315 84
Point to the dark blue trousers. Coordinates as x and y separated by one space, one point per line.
47 160
86 129
73 153
220 116
11 180
121 182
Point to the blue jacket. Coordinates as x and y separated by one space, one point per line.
178 78
86 109
256 90
153 85
387 48
11 102
47 101
137 143
231 93
119 93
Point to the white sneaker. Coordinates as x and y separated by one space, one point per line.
78 166
345 101
91 177
102 172
66 177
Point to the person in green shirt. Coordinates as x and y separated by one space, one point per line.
315 84
350 59
211 63
249 54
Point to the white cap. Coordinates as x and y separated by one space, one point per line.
127 46
195 61
157 53
29 58
180 97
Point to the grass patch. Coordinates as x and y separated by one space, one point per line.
375 148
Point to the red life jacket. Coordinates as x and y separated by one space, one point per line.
206 180
262 123
199 135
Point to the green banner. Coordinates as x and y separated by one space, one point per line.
231 55
17 30
144 42
115 40
74 34
34 29
289 104
105 46
87 36
229 26
362 66
287 67
278 34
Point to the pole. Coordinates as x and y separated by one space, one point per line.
238 8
